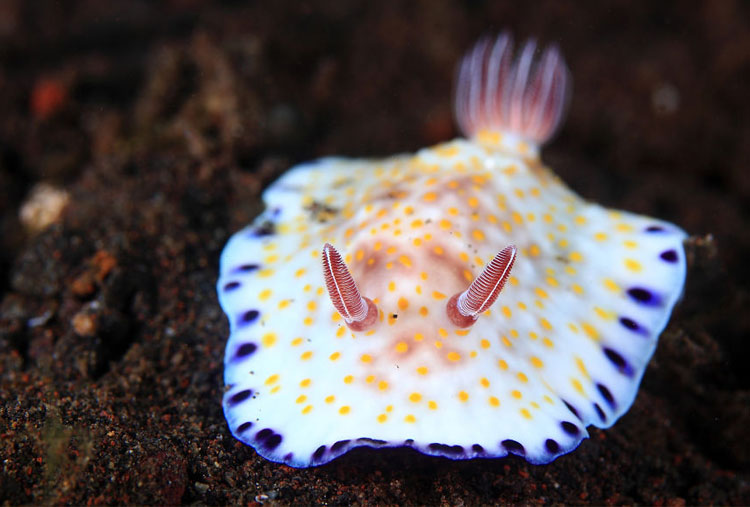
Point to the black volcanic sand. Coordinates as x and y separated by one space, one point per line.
165 120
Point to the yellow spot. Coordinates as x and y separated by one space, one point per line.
383 385
422 370
577 386
461 332
417 223
283 304
552 281
432 405
334 356
265 294
297 342
519 193
438 250
502 364
269 339
417 241
534 250
478 235
454 356
516 394
468 275
545 324
445 224
344 410
513 281
442 332
415 397
522 377
335 316
604 314
536 362
577 288
463 396
301 399
365 358
506 341
540 292
423 311
548 343
410 418
275 389
633 265
517 218
547 218
402 347
391 250
464 256
624 227
494 402
525 413
630 244
382 418
575 256
370 379
582 368
453 211
507 312
418 337
340 332
265 273
348 379
306 355
405 260
330 399
506 226
307 321
391 286
272 380
600 236
484 382
438 295
305 382
438 344
485 344
590 331
429 197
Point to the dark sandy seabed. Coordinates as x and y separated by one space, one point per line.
164 120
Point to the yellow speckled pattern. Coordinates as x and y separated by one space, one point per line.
564 346
566 342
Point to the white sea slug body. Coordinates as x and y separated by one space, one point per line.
354 320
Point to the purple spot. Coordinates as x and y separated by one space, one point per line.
246 268
245 350
618 361
632 325
231 286
371 441
606 394
239 397
319 452
477 449
669 256
552 446
244 427
452 450
655 228
569 428
600 412
288 457
513 447
248 317
339 445
268 438
409 441
265 229
644 296
572 409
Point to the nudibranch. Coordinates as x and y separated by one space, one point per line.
366 303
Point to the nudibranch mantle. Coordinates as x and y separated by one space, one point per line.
564 346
